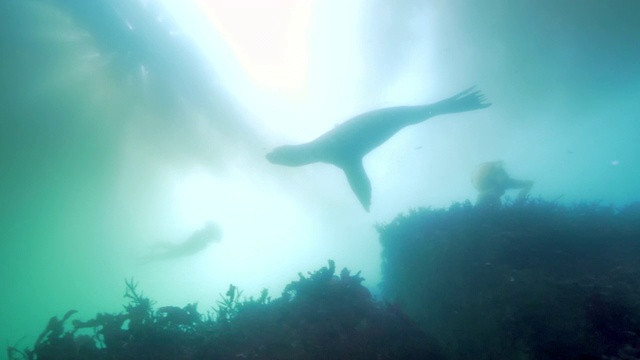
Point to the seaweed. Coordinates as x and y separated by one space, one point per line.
229 304
54 338
319 316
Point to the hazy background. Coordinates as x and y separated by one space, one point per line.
124 122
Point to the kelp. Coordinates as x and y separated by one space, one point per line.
319 316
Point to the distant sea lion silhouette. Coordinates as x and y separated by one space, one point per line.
492 181
196 242
347 144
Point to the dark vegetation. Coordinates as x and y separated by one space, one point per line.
530 280
319 316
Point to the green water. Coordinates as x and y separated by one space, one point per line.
113 138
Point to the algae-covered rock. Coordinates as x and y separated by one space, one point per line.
532 280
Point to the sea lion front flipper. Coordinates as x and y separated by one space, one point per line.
359 182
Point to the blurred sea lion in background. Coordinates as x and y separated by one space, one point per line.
195 243
492 181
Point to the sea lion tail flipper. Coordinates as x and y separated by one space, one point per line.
467 100
359 182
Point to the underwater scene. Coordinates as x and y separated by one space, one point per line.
320 179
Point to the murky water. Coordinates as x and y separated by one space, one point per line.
125 124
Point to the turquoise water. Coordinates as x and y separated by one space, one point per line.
127 124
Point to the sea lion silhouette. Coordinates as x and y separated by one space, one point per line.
492 181
196 242
347 144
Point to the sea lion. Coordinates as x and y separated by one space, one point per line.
347 144
492 181
196 242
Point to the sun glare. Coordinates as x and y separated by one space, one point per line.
268 38
260 52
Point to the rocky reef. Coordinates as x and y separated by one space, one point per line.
529 280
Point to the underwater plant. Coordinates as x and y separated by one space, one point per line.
319 316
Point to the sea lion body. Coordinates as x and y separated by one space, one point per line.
346 145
